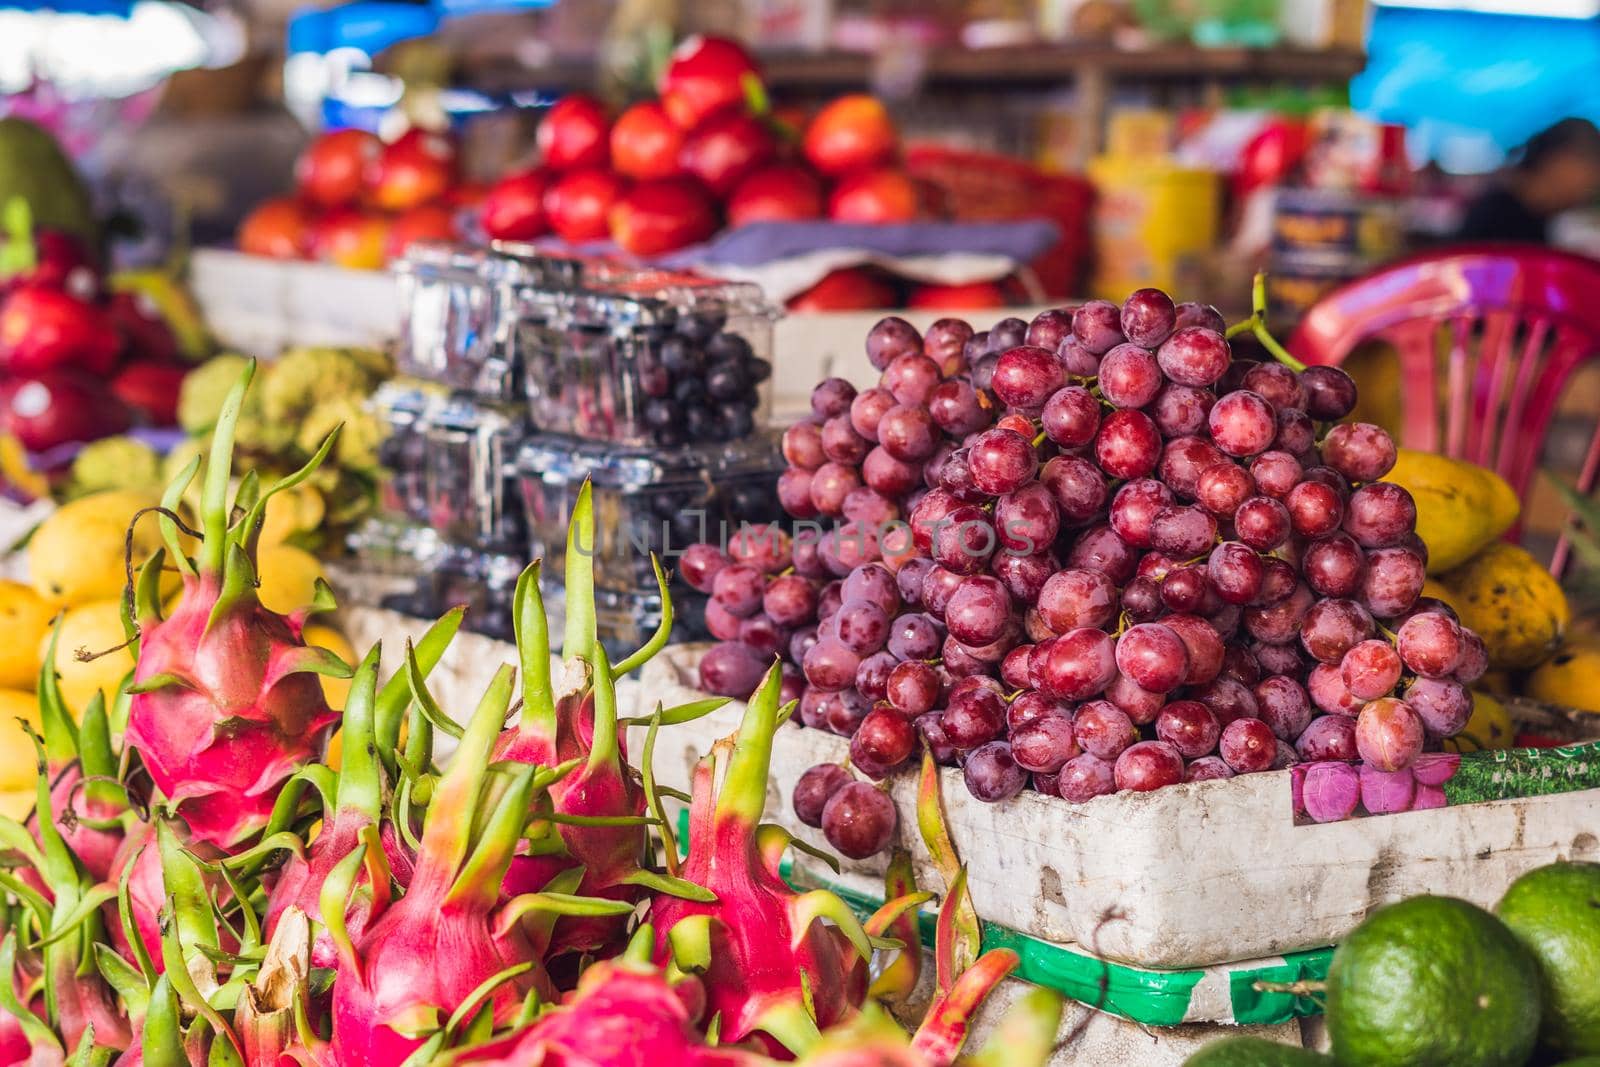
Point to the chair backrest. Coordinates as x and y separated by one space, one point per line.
1486 337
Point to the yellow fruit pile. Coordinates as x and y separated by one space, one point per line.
77 570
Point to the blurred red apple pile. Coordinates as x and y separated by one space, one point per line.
358 202
77 361
672 171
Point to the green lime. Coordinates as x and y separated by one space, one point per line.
1255 1052
1432 982
1555 911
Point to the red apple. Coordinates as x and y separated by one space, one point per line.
514 208
349 238
45 330
852 133
430 222
143 326
417 168
966 297
657 217
466 194
579 203
332 171
151 388
645 143
848 289
706 75
57 407
727 148
279 228
782 192
874 196
574 134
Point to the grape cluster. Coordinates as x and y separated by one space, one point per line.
1092 552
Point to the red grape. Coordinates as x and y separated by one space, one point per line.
1129 377
1148 317
1443 706
1279 385
794 494
1182 462
943 751
1279 623
1077 487
1315 509
1075 598
958 409
1044 744
912 687
1184 589
1190 313
1360 451
845 710
965 540
723 624
1203 644
1077 360
945 343
700 565
1392 581
1149 765
1262 523
978 610
1153 656
1049 328
738 587
1228 699
973 717
1222 487
1194 356
1181 410
1100 549
832 397
992 773
802 445
872 677
1235 572
841 443
907 433
886 736
831 665
859 820
1276 473
1326 685
1380 515
1014 667
1207 769
1430 644
763 636
1247 746
911 378
1104 730
1085 777
1389 734
1141 599
1074 666
1333 567
1140 705
1024 576
1128 444
890 338
830 484
1297 434
1242 423
867 408
814 789
1027 520
938 586
1070 417
1330 393
915 637
1333 627
1097 326
872 581
1188 726
1474 658
1026 376
1283 705
1002 461
732 669
1329 737
1183 532
1278 581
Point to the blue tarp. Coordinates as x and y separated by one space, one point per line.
1471 85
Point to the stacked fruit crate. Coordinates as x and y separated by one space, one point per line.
523 374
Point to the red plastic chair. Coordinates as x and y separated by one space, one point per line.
1506 325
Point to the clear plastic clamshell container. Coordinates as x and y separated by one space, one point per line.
645 500
462 306
470 475
650 358
404 405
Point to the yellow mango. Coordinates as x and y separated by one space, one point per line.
18 764
94 628
24 619
1461 507
1512 602
78 553
1570 678
288 578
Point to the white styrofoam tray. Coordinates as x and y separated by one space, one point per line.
1188 876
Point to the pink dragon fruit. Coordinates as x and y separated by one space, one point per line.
624 1013
360 799
445 949
580 723
772 969
226 704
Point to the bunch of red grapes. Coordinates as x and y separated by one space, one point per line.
1092 552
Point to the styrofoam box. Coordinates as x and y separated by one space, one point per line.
1188 876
